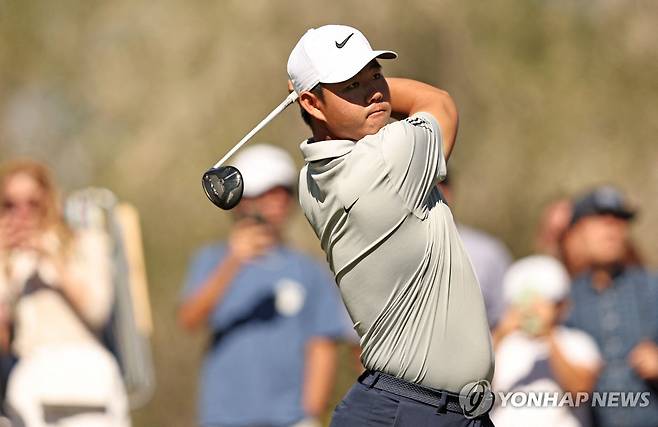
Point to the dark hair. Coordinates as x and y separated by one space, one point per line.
317 91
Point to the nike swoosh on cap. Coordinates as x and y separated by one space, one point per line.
340 45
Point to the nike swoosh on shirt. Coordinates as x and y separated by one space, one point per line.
347 209
340 45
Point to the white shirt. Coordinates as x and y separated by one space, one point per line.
45 318
522 364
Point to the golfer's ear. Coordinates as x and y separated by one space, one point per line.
311 103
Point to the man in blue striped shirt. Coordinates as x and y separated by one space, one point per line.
617 304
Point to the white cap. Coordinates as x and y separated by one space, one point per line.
330 54
263 167
536 275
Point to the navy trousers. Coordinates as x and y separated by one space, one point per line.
364 406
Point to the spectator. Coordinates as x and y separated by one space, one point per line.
490 258
56 295
534 352
554 237
616 301
274 313
552 226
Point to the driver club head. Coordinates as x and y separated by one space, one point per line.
223 186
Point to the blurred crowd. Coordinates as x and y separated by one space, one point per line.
55 296
578 317
60 346
582 317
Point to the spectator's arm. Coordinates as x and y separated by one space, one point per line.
355 356
319 376
195 310
85 277
409 97
326 323
249 239
509 322
4 330
5 305
572 377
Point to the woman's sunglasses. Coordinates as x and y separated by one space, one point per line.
9 205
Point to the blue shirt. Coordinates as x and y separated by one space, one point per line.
618 318
254 367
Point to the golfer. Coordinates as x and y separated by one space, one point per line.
369 191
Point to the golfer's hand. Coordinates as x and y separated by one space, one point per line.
250 239
644 360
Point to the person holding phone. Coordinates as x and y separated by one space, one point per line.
274 314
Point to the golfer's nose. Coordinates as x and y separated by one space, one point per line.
374 95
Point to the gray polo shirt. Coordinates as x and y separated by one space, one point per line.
393 247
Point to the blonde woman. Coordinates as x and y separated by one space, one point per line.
55 295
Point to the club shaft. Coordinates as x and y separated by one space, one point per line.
286 102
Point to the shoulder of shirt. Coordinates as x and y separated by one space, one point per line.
513 340
482 238
574 336
214 249
569 332
638 271
420 119
582 278
476 234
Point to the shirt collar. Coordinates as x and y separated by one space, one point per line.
329 149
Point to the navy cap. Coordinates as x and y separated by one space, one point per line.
601 201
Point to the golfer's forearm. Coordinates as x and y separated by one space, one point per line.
194 312
409 97
319 376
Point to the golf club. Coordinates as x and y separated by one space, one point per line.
223 185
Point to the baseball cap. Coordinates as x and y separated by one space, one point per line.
601 200
263 167
540 275
330 54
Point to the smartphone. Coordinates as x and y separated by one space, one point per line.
254 216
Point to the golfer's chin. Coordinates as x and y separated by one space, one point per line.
376 121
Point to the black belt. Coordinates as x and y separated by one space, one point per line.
443 400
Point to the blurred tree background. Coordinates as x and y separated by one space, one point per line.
141 97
